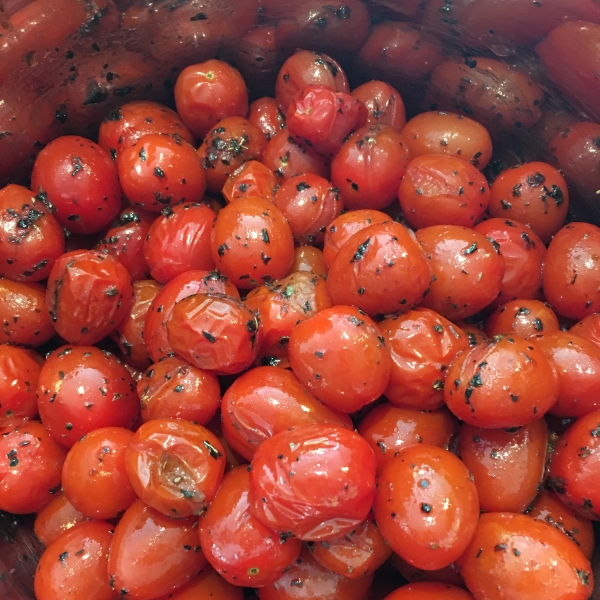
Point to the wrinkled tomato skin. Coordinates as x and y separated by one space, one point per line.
152 554
523 252
369 167
308 259
94 477
174 389
388 429
422 345
429 591
19 374
125 125
508 466
208 584
380 269
515 556
522 318
322 487
574 464
251 179
30 237
571 271
186 284
175 466
322 347
506 382
88 296
265 401
179 241
236 543
384 104
74 565
426 506
55 518
265 114
82 388
29 473
80 181
467 269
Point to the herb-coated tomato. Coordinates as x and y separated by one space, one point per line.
313 482
515 556
443 190
175 466
80 181
30 468
306 259
322 347
426 506
251 179
74 565
571 271
94 477
88 296
380 269
429 591
208 584
467 270
207 92
506 382
82 388
19 374
588 327
266 400
239 546
508 466
56 517
383 102
388 429
265 114
522 318
422 345
174 389
152 554
30 237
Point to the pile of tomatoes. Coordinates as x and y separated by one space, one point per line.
292 342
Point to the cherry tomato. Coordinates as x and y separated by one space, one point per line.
265 114
467 270
252 242
30 469
383 102
208 584
306 259
207 92
504 383
82 388
515 556
369 167
30 237
522 318
79 180
535 194
570 272
313 482
251 179
74 565
380 269
55 518
159 170
174 389
448 575
429 591
88 296
152 554
442 190
426 506
265 401
322 347
19 374
588 328
175 466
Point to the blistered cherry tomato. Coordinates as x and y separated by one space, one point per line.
313 482
88 296
383 102
56 517
306 259
80 181
265 114
82 388
30 468
515 556
426 506
588 328
209 584
251 179
506 382
19 374
429 591
522 318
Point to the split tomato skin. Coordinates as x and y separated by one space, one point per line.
383 102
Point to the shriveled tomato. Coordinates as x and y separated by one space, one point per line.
522 318
56 517
383 102
265 114
251 179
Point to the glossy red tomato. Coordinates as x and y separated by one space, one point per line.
82 388
430 591
506 382
426 506
515 556
74 565
447 575
88 296
588 328
522 318
265 114
265 401
313 482
383 102
239 546
175 466
251 179
152 554
19 374
308 259
208 584
79 180
56 517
